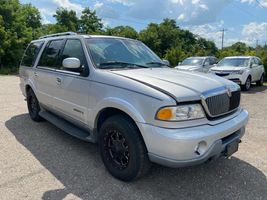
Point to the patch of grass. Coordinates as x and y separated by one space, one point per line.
9 71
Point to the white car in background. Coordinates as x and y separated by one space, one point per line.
242 70
201 64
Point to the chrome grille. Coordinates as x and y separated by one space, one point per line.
222 103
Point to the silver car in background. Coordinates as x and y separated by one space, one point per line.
116 92
201 64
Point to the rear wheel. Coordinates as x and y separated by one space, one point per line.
33 106
122 148
261 81
247 85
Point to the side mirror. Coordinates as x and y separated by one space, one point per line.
179 63
166 62
254 65
71 63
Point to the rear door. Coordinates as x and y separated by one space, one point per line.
71 99
44 75
28 62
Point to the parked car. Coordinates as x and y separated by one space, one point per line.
117 92
201 64
243 70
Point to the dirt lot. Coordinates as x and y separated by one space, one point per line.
39 161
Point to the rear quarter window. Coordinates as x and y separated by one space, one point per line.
31 53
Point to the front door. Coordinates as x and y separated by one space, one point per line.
71 100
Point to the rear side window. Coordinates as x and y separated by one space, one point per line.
51 53
31 53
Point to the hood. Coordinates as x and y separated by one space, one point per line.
187 67
183 85
227 68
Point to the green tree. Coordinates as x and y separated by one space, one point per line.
122 31
67 19
14 32
89 22
32 17
151 37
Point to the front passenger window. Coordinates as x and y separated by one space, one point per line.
206 63
73 48
50 54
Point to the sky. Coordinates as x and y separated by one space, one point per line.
243 20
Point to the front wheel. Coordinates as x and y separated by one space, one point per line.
247 85
122 148
261 81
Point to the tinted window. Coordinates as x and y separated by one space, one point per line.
31 54
73 48
207 62
51 53
213 61
253 61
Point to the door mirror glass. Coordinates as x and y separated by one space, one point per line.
254 65
71 63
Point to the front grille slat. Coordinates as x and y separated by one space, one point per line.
223 103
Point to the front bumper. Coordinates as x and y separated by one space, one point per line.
237 78
194 145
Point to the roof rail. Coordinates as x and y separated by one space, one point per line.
58 34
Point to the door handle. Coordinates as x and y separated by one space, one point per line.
35 74
59 80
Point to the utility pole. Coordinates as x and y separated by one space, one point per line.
257 43
223 30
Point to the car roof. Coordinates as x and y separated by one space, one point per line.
240 57
202 57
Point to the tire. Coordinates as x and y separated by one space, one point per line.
261 81
33 106
247 85
122 148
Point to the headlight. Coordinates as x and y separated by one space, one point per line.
238 72
180 113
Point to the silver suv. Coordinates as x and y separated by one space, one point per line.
201 64
117 92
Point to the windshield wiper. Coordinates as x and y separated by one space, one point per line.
106 65
156 63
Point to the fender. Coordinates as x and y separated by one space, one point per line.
114 102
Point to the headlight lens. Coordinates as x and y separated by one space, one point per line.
238 72
180 113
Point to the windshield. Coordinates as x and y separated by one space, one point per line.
193 61
109 53
235 62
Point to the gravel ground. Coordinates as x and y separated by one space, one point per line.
39 161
